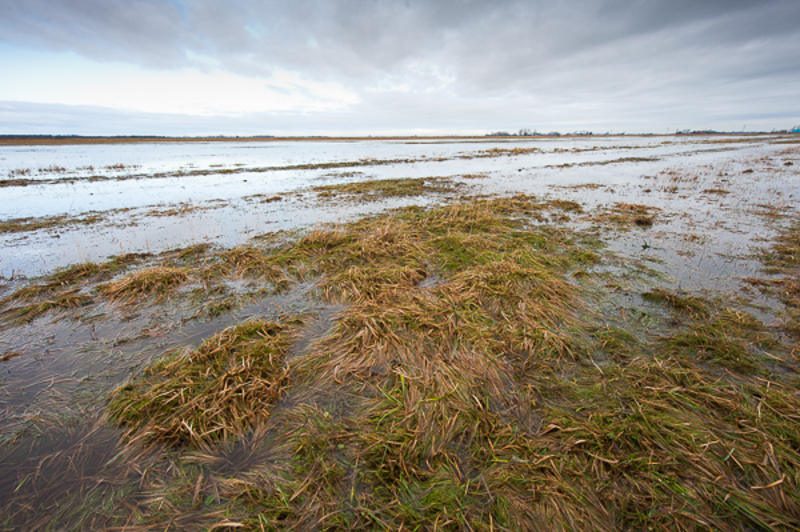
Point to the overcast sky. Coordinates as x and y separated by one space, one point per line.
326 67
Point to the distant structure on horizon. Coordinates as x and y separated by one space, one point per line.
796 129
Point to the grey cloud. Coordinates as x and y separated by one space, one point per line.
478 57
361 39
147 32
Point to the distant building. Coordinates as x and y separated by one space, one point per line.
796 129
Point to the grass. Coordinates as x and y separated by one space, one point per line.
158 281
19 225
211 393
684 302
373 190
782 262
471 381
718 191
76 480
784 254
67 300
59 291
727 338
716 334
626 215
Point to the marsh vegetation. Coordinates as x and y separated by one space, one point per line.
465 359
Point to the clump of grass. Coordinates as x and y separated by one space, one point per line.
785 252
693 305
76 273
376 189
159 281
567 205
19 172
629 214
439 360
70 299
19 225
253 262
120 262
52 169
120 166
218 307
212 393
61 279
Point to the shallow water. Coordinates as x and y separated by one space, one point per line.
147 206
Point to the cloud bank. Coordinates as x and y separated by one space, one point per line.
375 66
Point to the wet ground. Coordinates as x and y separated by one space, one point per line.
103 200
687 214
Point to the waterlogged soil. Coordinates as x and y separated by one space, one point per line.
588 333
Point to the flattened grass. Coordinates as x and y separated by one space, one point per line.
64 301
158 281
785 252
211 393
59 291
20 225
782 259
626 215
463 388
376 189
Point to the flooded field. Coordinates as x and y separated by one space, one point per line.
593 333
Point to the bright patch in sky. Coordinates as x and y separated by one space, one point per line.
211 91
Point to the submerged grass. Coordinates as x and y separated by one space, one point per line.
782 262
69 299
20 225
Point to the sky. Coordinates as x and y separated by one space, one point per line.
397 67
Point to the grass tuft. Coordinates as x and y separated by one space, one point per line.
211 393
158 281
373 190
